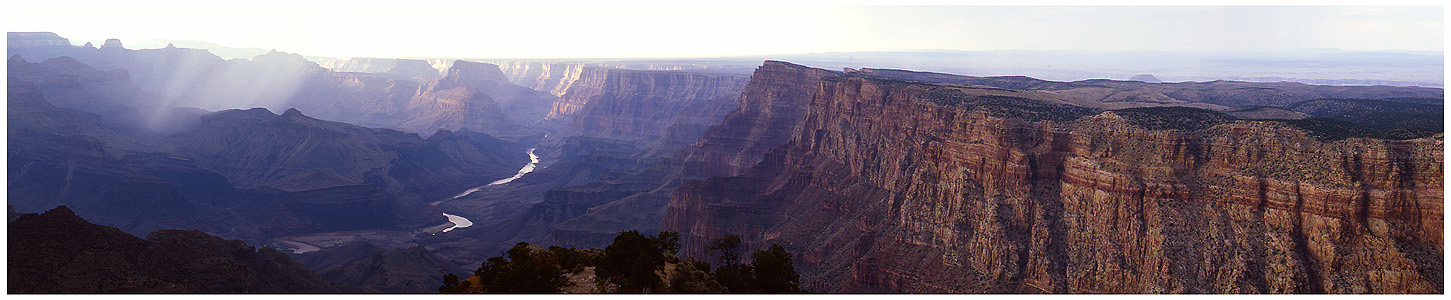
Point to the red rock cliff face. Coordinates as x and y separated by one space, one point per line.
771 105
881 190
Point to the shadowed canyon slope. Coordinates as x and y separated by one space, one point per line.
248 174
58 252
889 185
293 152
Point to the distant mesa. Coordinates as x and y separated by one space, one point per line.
476 71
35 40
1146 78
414 69
112 44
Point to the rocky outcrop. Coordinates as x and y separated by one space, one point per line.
1149 78
413 69
112 44
57 252
895 186
478 97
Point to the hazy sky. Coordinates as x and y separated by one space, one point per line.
664 29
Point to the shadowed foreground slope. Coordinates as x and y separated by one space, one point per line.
58 252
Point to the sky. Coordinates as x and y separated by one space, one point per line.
621 29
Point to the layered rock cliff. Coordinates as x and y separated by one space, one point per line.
900 186
771 105
588 83
554 78
58 252
641 106
557 76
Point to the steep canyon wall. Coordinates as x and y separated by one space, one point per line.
890 186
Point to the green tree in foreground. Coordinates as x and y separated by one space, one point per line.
631 261
669 242
735 276
770 272
634 263
524 272
773 271
450 285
